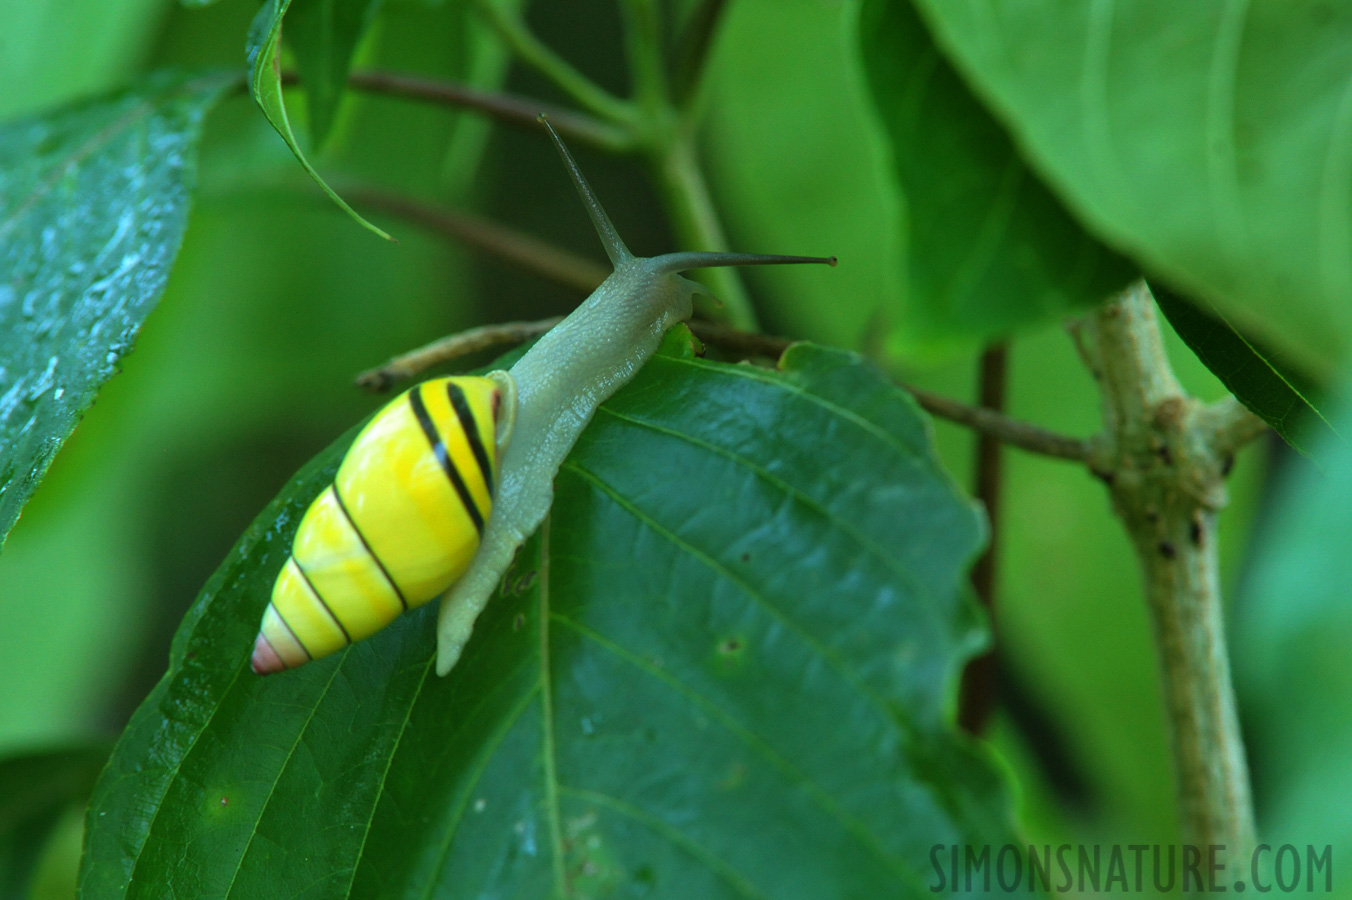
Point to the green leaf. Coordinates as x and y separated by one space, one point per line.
93 204
264 50
324 36
1268 387
1292 627
35 789
1210 141
987 248
722 669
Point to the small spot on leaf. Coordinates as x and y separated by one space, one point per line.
515 586
646 876
592 862
730 654
736 774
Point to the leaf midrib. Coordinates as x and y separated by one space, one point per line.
760 747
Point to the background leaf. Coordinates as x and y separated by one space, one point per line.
1268 387
1292 625
733 637
263 53
91 48
93 204
1210 141
796 159
35 789
324 35
987 248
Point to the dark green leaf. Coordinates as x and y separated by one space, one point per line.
1211 141
988 249
1293 627
1261 381
93 203
35 789
264 50
722 669
324 35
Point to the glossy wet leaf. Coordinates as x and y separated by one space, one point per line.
1211 141
263 53
35 789
722 669
93 203
1257 377
988 249
324 35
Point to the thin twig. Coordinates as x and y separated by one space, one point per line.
512 109
1010 431
987 421
531 253
746 344
451 347
980 685
414 362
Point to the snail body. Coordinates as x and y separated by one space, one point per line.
540 406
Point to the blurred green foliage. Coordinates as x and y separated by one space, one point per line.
1291 655
1208 140
276 300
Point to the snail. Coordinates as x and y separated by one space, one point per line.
446 481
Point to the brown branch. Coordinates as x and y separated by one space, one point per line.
1160 457
1010 431
540 257
746 344
452 347
980 683
987 421
511 109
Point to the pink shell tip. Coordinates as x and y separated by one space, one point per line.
265 660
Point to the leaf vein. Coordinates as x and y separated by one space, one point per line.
824 651
300 734
725 870
481 761
840 523
760 746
